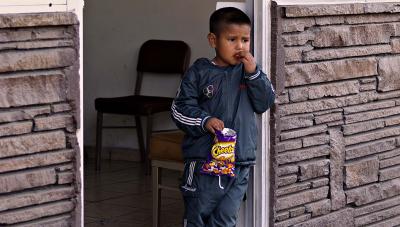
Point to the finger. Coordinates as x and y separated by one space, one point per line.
211 129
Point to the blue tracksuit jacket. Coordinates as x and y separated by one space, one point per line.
227 93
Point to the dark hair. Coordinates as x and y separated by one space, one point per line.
227 15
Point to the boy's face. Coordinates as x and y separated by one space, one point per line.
229 43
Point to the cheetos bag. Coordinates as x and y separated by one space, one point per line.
221 160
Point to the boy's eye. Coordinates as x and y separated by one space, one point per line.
245 40
231 39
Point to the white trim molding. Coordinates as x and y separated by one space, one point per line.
32 6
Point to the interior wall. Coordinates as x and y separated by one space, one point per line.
113 33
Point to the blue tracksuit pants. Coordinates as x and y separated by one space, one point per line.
212 201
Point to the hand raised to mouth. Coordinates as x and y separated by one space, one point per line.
248 60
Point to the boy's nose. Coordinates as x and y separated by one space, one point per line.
239 45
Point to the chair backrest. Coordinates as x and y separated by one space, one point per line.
162 56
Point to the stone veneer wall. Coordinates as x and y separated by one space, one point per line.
336 143
39 113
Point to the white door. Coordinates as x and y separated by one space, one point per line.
254 211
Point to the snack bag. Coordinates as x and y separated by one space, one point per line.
221 160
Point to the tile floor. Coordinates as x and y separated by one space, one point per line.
120 195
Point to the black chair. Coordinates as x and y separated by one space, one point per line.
155 56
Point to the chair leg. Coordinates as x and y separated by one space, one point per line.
148 137
139 131
99 128
156 196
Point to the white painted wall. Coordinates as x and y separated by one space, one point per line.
113 33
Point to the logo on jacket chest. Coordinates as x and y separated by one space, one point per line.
209 91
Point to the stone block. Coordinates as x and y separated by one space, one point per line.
26 180
301 198
282 99
297 211
303 132
361 172
32 143
294 54
345 52
36 212
297 39
392 121
288 145
323 10
326 104
319 182
61 107
297 24
390 161
35 111
395 44
292 221
58 221
368 87
374 135
36 44
353 35
65 177
389 95
55 122
372 18
388 79
315 140
369 106
390 188
15 128
23 114
379 216
367 80
388 155
297 187
328 118
42 88
64 167
339 218
36 160
325 112
314 169
286 180
337 158
38 33
389 173
381 7
37 19
302 154
381 205
388 222
37 59
324 90
374 147
363 126
299 94
329 20
17 200
364 195
287 169
319 208
335 123
298 121
282 216
310 73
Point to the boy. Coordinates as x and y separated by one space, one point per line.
224 92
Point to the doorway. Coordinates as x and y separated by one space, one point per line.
113 33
